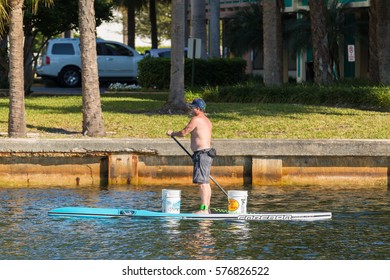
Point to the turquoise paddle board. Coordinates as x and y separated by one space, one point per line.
134 213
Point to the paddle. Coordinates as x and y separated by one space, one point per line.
211 177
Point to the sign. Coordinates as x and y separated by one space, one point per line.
351 53
194 48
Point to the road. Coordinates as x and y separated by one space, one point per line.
42 90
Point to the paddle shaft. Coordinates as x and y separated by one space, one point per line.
211 177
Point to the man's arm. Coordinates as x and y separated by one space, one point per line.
185 131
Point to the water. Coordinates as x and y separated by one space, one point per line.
359 229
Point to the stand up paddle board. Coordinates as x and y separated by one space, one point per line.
133 213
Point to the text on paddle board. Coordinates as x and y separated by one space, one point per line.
265 217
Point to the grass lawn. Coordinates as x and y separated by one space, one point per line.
132 116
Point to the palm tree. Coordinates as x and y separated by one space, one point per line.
16 116
273 43
373 44
131 6
337 29
245 30
153 23
198 24
176 100
3 15
3 46
93 124
323 73
161 18
383 40
214 29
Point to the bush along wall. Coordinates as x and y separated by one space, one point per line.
362 97
155 72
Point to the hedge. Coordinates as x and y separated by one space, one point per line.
363 97
155 72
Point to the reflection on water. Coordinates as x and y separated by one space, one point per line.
359 228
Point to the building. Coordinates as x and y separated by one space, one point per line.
354 53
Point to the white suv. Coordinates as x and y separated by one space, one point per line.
61 61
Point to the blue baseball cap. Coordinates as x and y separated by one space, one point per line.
197 103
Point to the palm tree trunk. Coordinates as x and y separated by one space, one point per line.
28 63
383 40
214 29
323 73
16 117
4 66
176 100
125 35
186 23
153 23
131 23
198 24
93 124
373 44
273 43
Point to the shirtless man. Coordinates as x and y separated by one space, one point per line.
200 129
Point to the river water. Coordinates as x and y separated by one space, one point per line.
359 228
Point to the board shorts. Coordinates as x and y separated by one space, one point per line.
202 165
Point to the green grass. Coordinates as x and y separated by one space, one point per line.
131 115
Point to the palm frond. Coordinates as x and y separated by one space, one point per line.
3 16
245 30
35 4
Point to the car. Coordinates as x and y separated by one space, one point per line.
162 52
61 61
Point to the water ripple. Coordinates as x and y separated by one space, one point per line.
359 228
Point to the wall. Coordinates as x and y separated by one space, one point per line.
146 162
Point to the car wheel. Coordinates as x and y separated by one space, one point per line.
70 77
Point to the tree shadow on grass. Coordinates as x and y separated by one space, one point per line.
54 130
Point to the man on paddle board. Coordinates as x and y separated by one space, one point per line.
200 129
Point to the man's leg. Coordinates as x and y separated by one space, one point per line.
205 197
202 165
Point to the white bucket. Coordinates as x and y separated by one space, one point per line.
237 202
171 201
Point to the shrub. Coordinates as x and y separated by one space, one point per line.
339 95
155 72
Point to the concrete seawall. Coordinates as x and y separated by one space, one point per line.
145 162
